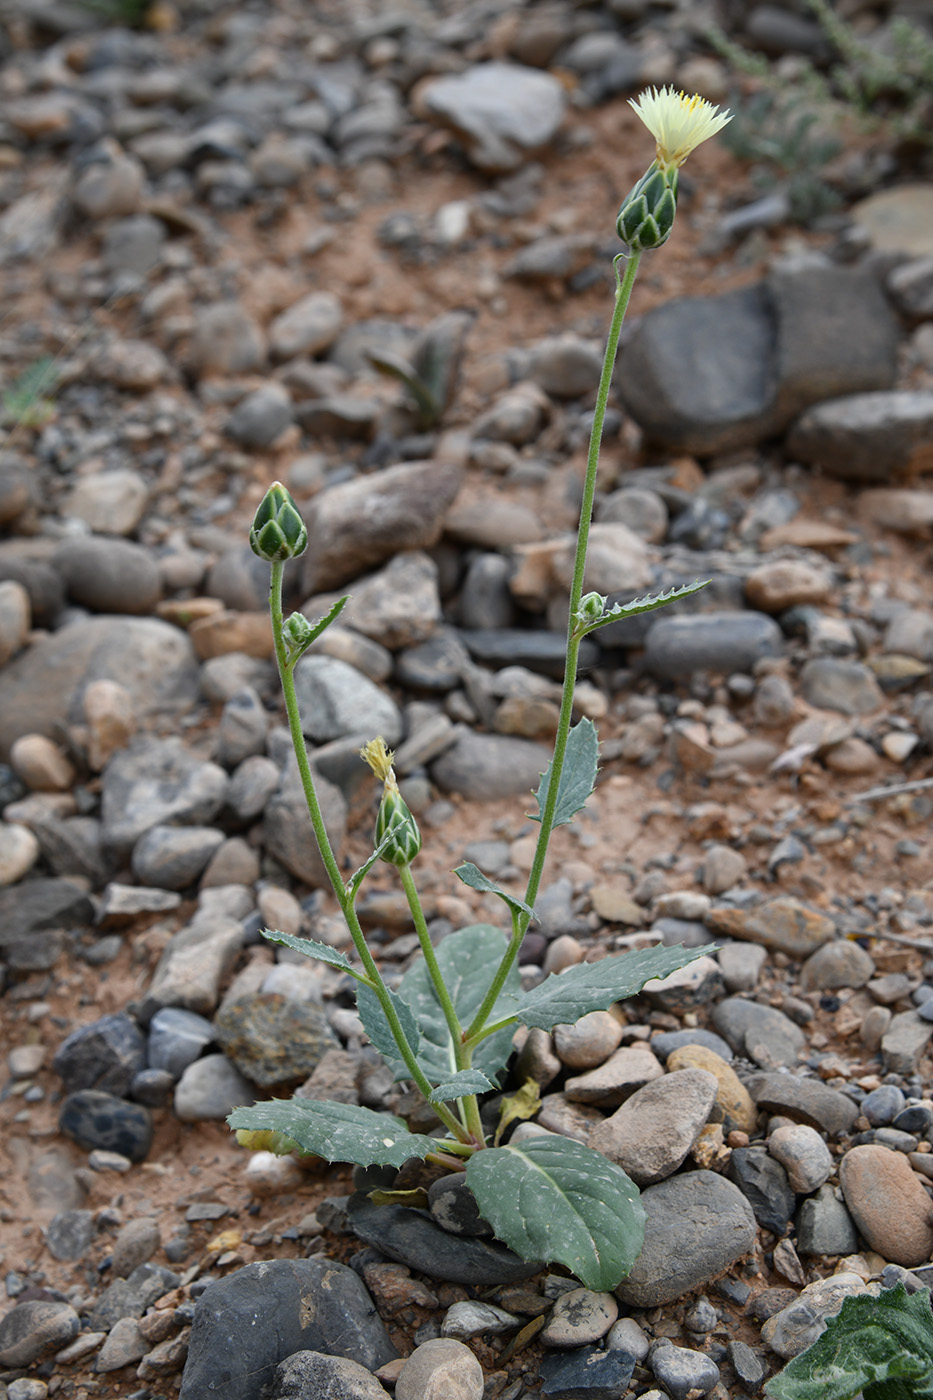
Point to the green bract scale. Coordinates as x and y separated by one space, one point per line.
278 531
647 214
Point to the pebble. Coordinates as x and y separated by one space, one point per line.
681 1371
737 1105
503 111
336 701
840 964
94 1119
177 1038
797 1326
589 1042
904 1042
586 1371
314 1373
784 925
415 1240
34 1330
804 1100
824 1226
19 851
882 1105
720 642
468 1319
651 1134
761 1033
804 1156
580 1317
104 1055
440 1369
210 1088
763 1180
888 1204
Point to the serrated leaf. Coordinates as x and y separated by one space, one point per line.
378 1029
338 1132
564 997
524 1103
472 876
468 1081
649 603
880 1345
312 949
467 960
578 775
553 1199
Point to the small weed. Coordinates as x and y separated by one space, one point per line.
25 402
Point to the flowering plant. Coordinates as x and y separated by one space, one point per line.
448 1027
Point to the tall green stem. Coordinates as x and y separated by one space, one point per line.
287 677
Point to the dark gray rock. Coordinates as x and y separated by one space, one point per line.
749 1366
830 683
246 1324
681 1370
157 781
697 1225
412 1237
32 917
882 1105
454 1207
586 1373
761 1033
104 1055
486 766
131 1296
109 575
34 1330
94 1119
312 1375
42 688
177 1038
260 417
172 857
40 579
69 1233
667 1042
721 642
539 651
485 599
805 1100
867 438
824 1226
764 1183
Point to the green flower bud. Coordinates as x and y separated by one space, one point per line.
592 607
647 214
278 531
393 816
297 630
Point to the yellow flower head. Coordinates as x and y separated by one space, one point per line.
678 123
379 758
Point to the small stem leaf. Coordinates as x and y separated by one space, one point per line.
379 1030
388 363
324 622
312 949
338 1132
564 997
471 875
554 1199
468 1081
357 878
524 1103
646 604
578 776
467 960
880 1345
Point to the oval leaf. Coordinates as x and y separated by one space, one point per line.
553 1199
577 777
562 998
338 1132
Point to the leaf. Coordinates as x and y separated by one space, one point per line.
312 949
387 362
578 775
649 603
471 875
467 960
378 1029
338 1132
564 997
357 878
881 1345
524 1103
468 1081
553 1199
417 1198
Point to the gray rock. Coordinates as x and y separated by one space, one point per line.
871 438
98 1120
824 1226
109 575
487 766
157 781
685 988
846 686
502 110
904 1042
804 1155
911 286
191 970
538 651
43 687
485 600
749 1365
308 1374
399 605
651 1134
741 965
358 524
586 1371
440 1369
133 244
643 511
273 1040
209 1089
226 341
682 1371
135 1244
763 1181
839 964
246 1324
130 1297
882 1105
243 726
468 1319
32 917
68 1234
172 857
666 1042
288 834
177 1038
411 1237
697 1225
251 787
124 1345
567 368
580 1317
798 1325
260 417
337 701
103 1055
339 415
34 1330
762 1033
110 502
308 327
805 1100
720 642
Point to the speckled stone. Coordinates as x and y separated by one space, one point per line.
271 1039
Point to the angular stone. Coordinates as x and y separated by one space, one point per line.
32 916
98 1120
764 1182
616 1079
502 110
156 781
904 1042
411 1237
872 438
798 1325
762 1033
271 1039
784 925
651 1134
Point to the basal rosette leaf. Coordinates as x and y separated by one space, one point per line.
564 997
553 1199
881 1346
577 778
338 1132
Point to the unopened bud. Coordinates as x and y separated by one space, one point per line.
592 606
647 214
278 531
394 818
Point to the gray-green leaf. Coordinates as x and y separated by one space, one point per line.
553 1199
882 1346
338 1132
564 997
467 961
468 1081
471 875
312 949
377 1026
649 603
577 778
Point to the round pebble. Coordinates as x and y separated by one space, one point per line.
888 1204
